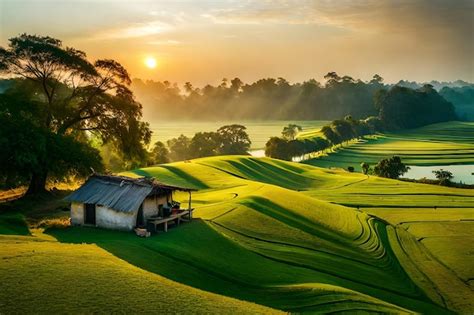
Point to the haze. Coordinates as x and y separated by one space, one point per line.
205 41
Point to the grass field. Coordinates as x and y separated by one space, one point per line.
283 235
450 143
40 275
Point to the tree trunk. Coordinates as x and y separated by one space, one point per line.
37 183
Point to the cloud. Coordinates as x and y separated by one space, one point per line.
167 42
134 30
365 15
159 22
279 12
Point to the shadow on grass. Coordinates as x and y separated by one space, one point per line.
184 179
171 255
13 224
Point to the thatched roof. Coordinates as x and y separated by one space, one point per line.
120 193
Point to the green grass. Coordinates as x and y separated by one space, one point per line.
278 234
271 214
13 223
44 276
450 143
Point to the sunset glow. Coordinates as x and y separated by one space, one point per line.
306 41
150 62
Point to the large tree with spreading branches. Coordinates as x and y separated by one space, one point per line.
74 99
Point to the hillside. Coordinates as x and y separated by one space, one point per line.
270 232
450 143
40 275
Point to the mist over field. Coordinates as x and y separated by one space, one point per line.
278 99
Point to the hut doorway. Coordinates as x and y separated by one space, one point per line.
89 213
140 219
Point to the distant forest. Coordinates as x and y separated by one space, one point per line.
279 99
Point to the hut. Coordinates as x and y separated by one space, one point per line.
121 203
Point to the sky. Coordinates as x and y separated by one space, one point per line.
205 41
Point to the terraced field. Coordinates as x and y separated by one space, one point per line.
450 143
283 235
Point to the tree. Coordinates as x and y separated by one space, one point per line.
278 148
402 108
319 144
391 168
376 79
233 139
179 148
76 96
332 78
443 176
204 144
159 154
365 167
28 146
289 132
330 134
236 84
343 128
374 124
188 87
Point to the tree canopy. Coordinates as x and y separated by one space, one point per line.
227 140
402 108
269 98
391 167
289 132
74 97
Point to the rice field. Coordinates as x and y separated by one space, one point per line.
439 145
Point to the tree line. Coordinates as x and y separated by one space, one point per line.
267 98
398 108
227 140
276 98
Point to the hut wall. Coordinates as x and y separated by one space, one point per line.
111 219
77 213
150 205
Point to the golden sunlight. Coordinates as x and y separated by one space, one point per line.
150 62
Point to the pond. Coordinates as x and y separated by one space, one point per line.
462 173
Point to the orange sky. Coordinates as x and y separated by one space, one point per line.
204 41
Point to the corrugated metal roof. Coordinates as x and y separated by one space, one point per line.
117 193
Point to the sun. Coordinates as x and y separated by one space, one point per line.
150 62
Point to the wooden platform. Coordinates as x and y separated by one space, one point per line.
184 215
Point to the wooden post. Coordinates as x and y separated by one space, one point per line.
189 206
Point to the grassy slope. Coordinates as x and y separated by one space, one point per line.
287 249
13 223
261 218
397 202
439 144
44 276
